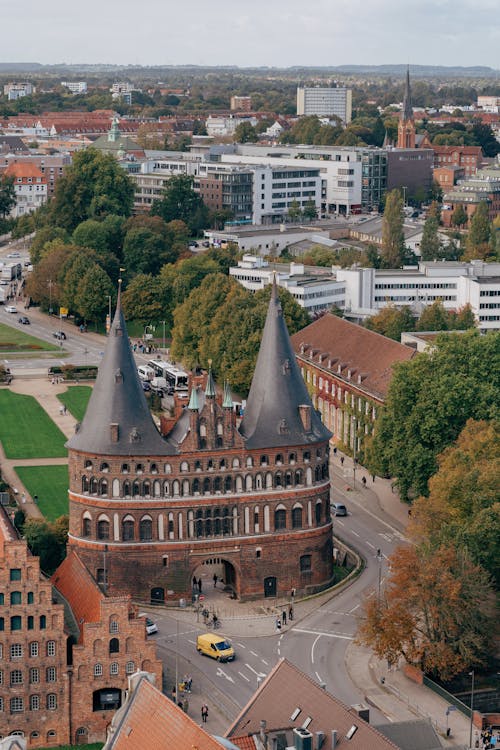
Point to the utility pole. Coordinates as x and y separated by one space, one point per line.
379 559
163 323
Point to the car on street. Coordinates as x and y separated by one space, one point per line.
339 509
24 320
59 335
14 255
10 309
151 627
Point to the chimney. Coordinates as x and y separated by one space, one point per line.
319 738
334 739
305 416
114 432
262 733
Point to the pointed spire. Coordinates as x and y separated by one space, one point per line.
210 389
407 105
117 420
228 399
193 400
278 398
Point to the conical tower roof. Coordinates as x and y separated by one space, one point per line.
279 411
118 421
210 391
407 105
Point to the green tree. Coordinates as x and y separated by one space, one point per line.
463 319
245 133
44 284
459 216
430 247
434 318
485 137
310 211
392 322
392 231
145 252
43 237
93 292
429 400
91 233
93 186
294 210
7 195
479 236
47 541
180 201
142 299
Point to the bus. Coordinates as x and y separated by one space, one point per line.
176 379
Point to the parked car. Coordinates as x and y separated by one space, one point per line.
206 243
193 245
59 335
339 509
24 320
151 627
14 255
10 309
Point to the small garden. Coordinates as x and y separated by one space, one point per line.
12 340
50 485
75 399
26 430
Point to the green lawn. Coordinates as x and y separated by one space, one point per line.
26 430
50 483
76 399
14 340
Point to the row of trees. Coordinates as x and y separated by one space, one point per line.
392 321
438 609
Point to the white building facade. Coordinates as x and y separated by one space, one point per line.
322 101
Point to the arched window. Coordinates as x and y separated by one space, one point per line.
87 464
269 480
206 486
103 529
184 466
317 512
199 523
292 458
208 522
139 468
299 478
86 527
15 597
216 520
248 483
220 427
104 467
154 469
279 519
125 469
114 646
128 529
236 463
279 459
126 489
130 667
222 463
249 461
146 529
196 486
203 428
113 624
297 517
317 474
16 622
166 489
277 479
167 469
264 460
217 484
93 486
176 488
228 484
226 521
146 489
288 479
98 670
103 488
197 465
305 564
136 488
306 456
85 484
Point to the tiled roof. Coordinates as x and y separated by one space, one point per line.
244 743
369 356
23 169
80 590
151 721
287 691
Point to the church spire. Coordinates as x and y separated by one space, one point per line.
406 125
407 105
210 388
227 402
117 420
279 411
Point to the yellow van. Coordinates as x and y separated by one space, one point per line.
215 646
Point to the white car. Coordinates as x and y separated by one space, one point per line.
151 627
10 309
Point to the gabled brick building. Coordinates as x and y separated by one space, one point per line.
347 369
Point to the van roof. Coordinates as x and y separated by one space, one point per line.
212 637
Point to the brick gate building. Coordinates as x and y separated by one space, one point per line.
146 510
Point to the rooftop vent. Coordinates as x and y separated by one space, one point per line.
302 739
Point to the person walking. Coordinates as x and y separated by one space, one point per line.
199 585
342 460
204 713
283 617
195 582
215 579
363 479
290 613
278 624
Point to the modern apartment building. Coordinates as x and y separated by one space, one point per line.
241 103
484 186
76 87
52 166
325 102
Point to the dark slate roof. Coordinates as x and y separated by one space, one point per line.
118 398
272 417
407 105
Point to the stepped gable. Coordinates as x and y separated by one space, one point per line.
279 411
118 421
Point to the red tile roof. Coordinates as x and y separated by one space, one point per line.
151 721
24 169
367 355
79 589
285 690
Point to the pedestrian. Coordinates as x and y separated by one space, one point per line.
283 617
334 450
290 613
23 498
215 621
64 410
205 615
195 582
373 477
204 713
363 479
35 499
278 624
215 579
342 460
188 680
199 585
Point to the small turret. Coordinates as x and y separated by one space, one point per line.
210 391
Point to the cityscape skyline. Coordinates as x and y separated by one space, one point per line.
444 33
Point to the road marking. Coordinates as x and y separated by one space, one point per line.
370 544
190 641
258 674
244 676
265 662
254 654
328 635
353 609
241 645
312 648
319 678
340 523
221 673
354 532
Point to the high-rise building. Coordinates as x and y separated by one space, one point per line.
241 103
325 102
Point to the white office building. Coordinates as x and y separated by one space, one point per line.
76 87
325 102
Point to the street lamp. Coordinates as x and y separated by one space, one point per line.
163 323
379 559
50 296
471 707
404 188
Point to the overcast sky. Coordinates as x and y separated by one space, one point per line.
251 32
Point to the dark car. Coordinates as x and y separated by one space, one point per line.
59 335
24 320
